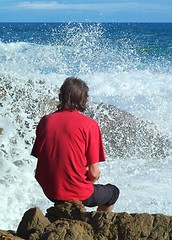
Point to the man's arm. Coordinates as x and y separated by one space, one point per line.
93 172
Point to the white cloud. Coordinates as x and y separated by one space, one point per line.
53 5
41 5
111 7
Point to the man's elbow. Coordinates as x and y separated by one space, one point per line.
93 176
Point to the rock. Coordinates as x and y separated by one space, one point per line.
68 209
1 130
8 235
71 221
32 224
68 229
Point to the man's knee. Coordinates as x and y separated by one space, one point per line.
115 190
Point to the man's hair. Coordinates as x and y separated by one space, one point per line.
73 94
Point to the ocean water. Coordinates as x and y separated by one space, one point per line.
128 65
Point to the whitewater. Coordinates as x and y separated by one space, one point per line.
125 68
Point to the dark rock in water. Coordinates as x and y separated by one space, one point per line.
70 221
1 130
125 135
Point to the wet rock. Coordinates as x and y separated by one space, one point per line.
1 130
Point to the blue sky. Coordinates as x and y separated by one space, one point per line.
86 11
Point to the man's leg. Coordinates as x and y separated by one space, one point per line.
104 197
105 208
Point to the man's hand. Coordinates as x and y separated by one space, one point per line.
93 173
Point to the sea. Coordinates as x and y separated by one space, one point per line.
127 65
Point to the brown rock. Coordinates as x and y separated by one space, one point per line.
68 220
32 224
103 224
68 209
7 235
67 229
1 130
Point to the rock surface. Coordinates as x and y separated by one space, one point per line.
9 235
1 130
69 220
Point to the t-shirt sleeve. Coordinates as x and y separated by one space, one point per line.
94 145
34 151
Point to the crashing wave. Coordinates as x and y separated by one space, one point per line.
124 135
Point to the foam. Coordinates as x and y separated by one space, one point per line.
115 76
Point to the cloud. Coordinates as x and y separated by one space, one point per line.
99 6
89 6
54 5
42 5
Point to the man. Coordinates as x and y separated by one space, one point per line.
69 147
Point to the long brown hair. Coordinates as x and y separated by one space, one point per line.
73 94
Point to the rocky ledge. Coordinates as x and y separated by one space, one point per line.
69 220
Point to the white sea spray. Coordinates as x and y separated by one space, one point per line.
31 73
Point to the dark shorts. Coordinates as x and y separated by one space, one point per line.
103 195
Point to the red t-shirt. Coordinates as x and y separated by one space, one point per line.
66 143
